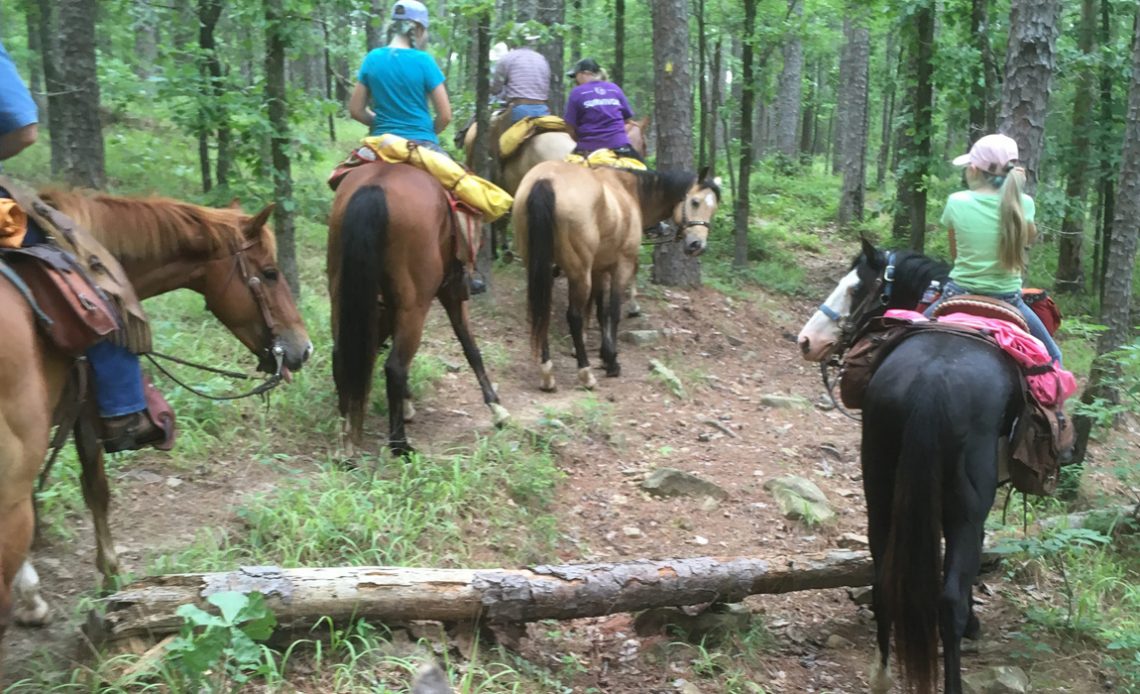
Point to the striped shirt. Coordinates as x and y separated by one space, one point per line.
521 74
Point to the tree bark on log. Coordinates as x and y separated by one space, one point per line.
301 597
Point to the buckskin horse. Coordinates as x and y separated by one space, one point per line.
391 252
162 244
588 222
935 416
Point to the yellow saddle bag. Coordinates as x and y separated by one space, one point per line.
488 198
528 127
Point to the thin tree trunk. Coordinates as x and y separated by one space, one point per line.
980 89
553 13
807 122
576 21
1106 190
36 59
888 111
618 72
1070 273
842 96
1034 26
673 89
855 141
713 123
788 100
702 85
914 149
209 11
374 24
275 97
146 41
481 151
743 201
328 76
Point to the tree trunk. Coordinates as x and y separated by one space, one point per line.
715 80
552 13
1070 274
807 121
73 101
743 200
980 89
146 41
791 87
481 152
914 154
702 85
209 101
576 21
374 22
1106 192
299 598
618 71
890 64
842 95
36 59
275 97
1120 261
1029 60
672 88
328 78
855 141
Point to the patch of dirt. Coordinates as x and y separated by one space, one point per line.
728 353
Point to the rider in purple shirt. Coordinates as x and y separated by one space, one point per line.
597 111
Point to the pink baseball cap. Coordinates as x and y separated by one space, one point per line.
990 153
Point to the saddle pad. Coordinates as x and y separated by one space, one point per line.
606 157
983 307
528 127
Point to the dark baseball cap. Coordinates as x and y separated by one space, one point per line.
585 65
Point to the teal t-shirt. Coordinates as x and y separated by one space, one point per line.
400 80
974 217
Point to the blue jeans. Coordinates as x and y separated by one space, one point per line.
520 111
433 146
1036 327
118 375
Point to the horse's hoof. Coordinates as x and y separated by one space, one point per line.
499 414
880 677
28 608
614 370
401 449
633 310
586 378
548 384
973 628
409 410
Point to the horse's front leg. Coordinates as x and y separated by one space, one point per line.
579 301
456 308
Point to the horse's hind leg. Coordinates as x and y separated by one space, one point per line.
965 508
456 308
579 300
17 522
879 456
96 492
406 335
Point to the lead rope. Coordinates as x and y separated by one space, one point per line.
264 387
829 388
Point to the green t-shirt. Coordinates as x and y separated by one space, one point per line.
974 218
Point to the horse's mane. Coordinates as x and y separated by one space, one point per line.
914 271
671 185
155 227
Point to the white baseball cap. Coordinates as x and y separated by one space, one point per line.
990 154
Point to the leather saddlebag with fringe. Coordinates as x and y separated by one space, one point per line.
77 313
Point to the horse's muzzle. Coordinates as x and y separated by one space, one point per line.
695 247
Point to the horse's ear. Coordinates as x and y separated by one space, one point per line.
869 251
703 174
235 204
643 123
257 221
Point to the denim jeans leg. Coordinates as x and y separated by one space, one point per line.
118 380
949 291
1036 327
520 111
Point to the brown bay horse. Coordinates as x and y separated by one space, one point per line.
162 244
391 252
588 222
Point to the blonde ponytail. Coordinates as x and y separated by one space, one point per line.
1013 229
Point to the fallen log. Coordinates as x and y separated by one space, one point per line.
301 597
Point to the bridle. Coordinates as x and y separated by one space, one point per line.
878 296
684 226
242 267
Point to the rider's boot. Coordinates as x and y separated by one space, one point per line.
130 432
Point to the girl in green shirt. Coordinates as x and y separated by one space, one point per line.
991 226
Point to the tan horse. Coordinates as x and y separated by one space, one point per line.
589 222
225 255
391 252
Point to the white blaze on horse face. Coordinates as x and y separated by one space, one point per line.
820 333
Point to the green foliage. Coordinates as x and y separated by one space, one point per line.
211 646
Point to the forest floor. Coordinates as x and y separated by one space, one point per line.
729 352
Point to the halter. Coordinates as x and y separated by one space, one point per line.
687 223
879 295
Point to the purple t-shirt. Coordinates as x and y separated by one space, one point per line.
597 111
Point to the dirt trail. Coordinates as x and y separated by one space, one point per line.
728 353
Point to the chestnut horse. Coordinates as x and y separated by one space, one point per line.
391 251
162 244
588 222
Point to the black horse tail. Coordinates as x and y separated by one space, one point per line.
539 260
364 240
912 571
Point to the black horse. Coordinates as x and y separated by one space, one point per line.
935 416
